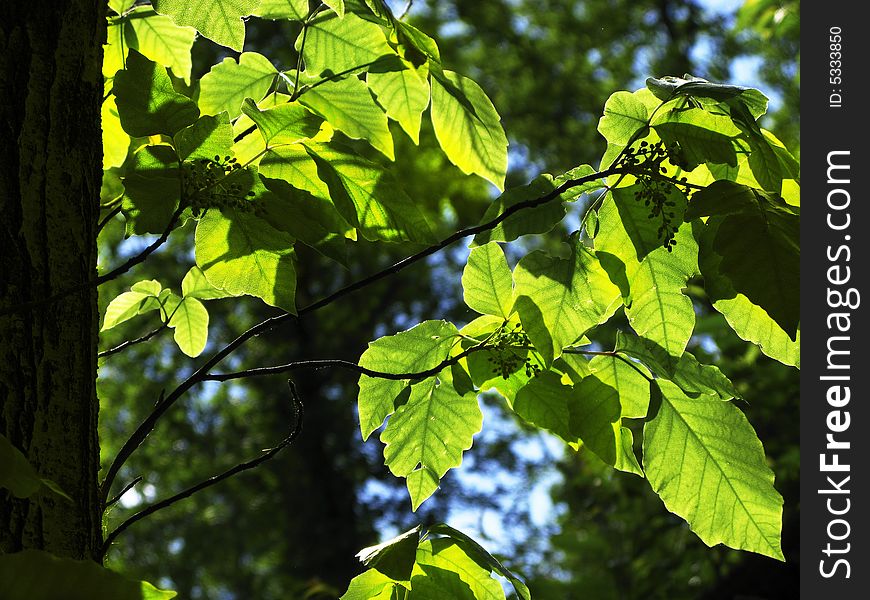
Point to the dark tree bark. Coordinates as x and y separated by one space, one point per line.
50 169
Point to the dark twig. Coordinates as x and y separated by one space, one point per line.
145 428
299 413
129 343
123 491
108 218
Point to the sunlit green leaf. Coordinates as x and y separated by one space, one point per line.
38 575
116 142
394 557
283 124
218 20
195 285
243 254
430 432
123 308
434 555
543 402
404 94
559 300
296 10
369 197
190 322
207 138
704 459
147 102
691 376
420 348
481 556
337 44
349 107
228 83
161 40
468 127
371 585
487 282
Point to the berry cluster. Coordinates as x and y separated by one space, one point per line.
650 158
207 183
504 357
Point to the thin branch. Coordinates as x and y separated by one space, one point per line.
123 491
132 262
198 376
114 212
129 343
299 413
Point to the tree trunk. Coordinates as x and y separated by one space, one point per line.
50 170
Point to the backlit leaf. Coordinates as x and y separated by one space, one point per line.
487 282
338 44
190 322
418 349
404 94
161 40
218 20
704 459
430 432
243 254
228 83
468 127
147 102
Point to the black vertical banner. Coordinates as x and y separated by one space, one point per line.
835 300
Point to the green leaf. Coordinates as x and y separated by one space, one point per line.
756 239
487 282
468 127
627 380
296 10
152 190
595 416
368 197
704 459
371 585
161 40
312 220
123 308
625 118
207 138
243 254
652 280
543 402
430 432
151 287
404 94
116 142
147 102
228 83
121 6
445 554
748 320
691 376
195 285
394 557
114 51
418 349
348 106
336 44
190 321
479 554
218 20
410 36
559 300
336 5
284 124
702 136
294 165
434 583
640 221
38 575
